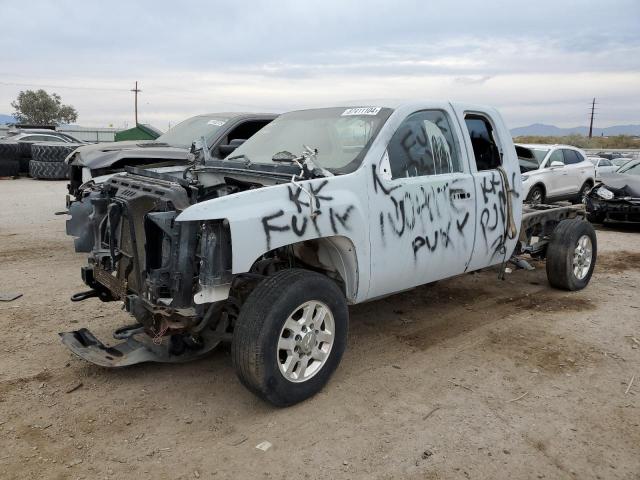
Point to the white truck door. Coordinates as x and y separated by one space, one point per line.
422 204
490 146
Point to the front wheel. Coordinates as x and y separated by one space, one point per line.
583 192
290 336
571 254
536 196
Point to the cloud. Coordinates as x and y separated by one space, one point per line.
538 61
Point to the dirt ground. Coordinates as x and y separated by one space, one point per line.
472 377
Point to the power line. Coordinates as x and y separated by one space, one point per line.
66 87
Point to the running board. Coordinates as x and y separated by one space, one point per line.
85 345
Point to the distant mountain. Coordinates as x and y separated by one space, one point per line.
6 119
542 130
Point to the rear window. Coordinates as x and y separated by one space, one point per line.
571 156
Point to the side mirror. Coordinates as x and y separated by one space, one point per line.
557 163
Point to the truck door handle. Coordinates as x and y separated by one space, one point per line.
459 194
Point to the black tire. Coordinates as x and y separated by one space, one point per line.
536 195
45 152
24 156
561 250
48 170
25 149
254 347
24 164
9 151
9 168
583 191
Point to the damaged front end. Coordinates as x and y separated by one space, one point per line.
608 203
172 277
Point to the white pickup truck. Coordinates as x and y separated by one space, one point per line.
320 209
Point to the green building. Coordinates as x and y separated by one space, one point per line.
139 132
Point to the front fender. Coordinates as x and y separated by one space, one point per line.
270 217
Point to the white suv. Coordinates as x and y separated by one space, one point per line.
554 172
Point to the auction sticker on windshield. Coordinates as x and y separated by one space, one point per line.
361 111
216 123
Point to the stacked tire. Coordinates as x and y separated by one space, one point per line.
9 159
47 160
25 156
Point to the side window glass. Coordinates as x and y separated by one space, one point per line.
556 156
424 144
606 163
246 130
483 141
571 157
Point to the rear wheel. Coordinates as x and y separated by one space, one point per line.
290 336
536 195
571 254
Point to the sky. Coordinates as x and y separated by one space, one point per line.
537 61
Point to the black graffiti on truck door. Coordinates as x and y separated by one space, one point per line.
424 208
493 214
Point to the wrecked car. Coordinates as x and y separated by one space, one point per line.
617 197
320 209
222 132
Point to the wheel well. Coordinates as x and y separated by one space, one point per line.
334 257
542 187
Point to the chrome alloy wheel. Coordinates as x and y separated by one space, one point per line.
305 341
582 257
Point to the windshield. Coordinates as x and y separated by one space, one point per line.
190 130
631 168
530 158
340 135
618 162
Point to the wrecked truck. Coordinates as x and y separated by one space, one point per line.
320 209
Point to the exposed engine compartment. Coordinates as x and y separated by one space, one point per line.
143 257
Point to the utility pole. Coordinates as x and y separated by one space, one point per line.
136 91
593 109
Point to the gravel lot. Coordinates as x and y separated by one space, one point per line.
471 377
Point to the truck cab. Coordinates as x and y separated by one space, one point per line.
320 209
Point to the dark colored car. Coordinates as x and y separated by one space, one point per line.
617 197
16 146
223 132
